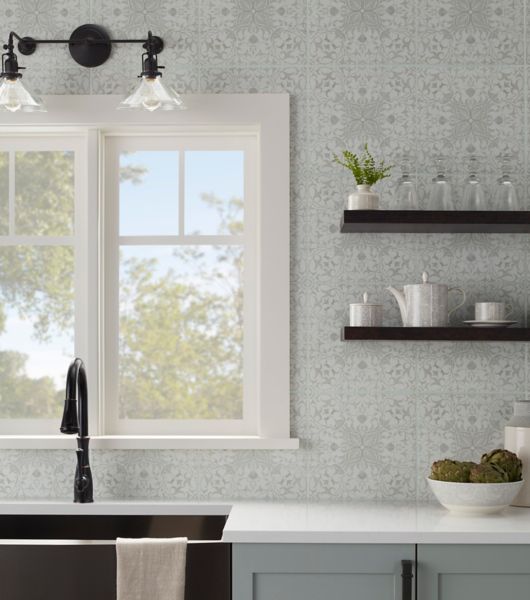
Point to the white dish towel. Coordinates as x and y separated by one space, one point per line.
151 568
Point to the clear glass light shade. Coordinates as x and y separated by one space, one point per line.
151 95
14 96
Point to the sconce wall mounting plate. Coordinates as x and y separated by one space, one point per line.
27 46
90 45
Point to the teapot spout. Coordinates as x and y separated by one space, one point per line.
400 297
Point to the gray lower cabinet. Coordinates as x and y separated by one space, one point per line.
473 572
320 571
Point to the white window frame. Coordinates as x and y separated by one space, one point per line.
65 141
113 144
267 117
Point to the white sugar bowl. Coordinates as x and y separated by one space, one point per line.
364 314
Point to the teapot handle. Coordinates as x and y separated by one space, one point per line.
457 289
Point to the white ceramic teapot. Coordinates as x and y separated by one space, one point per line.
425 304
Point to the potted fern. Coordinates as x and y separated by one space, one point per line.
366 173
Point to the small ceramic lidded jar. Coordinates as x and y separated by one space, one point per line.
517 439
363 199
363 314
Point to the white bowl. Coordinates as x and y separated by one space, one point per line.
477 498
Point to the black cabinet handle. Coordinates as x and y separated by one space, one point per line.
407 574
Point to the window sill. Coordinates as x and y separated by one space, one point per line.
149 442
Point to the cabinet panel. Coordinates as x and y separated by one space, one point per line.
316 586
473 572
319 572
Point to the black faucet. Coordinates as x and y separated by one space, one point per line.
75 420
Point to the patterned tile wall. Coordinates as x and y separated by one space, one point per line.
425 76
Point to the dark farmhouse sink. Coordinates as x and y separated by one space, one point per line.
60 557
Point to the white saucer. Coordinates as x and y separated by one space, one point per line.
490 323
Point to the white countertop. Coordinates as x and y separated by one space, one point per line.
326 523
376 523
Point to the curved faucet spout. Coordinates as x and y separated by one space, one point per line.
75 420
76 394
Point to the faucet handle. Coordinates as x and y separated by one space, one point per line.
81 481
79 453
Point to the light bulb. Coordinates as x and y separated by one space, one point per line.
14 97
151 101
12 102
151 95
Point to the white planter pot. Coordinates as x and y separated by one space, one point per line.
363 199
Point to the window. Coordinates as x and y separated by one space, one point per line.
41 248
157 250
181 236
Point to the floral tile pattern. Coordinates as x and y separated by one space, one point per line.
471 31
361 31
473 111
451 425
244 32
426 77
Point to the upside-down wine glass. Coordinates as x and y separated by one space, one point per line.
440 193
474 198
406 197
505 193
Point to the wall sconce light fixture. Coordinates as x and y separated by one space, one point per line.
90 46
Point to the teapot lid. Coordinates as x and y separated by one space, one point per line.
365 301
424 282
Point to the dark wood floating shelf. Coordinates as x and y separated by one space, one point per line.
443 334
435 221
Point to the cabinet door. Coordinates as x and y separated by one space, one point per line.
473 572
320 572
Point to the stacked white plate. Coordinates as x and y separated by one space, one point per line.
490 323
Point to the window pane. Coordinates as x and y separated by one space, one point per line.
44 193
4 193
181 332
36 329
214 185
149 193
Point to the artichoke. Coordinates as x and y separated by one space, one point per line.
488 473
451 470
507 460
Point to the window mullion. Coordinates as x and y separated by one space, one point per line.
11 197
186 240
29 240
109 278
182 188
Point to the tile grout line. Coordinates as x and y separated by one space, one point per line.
416 352
199 49
363 66
382 66
525 158
90 82
307 122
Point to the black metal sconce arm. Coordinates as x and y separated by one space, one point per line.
89 45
